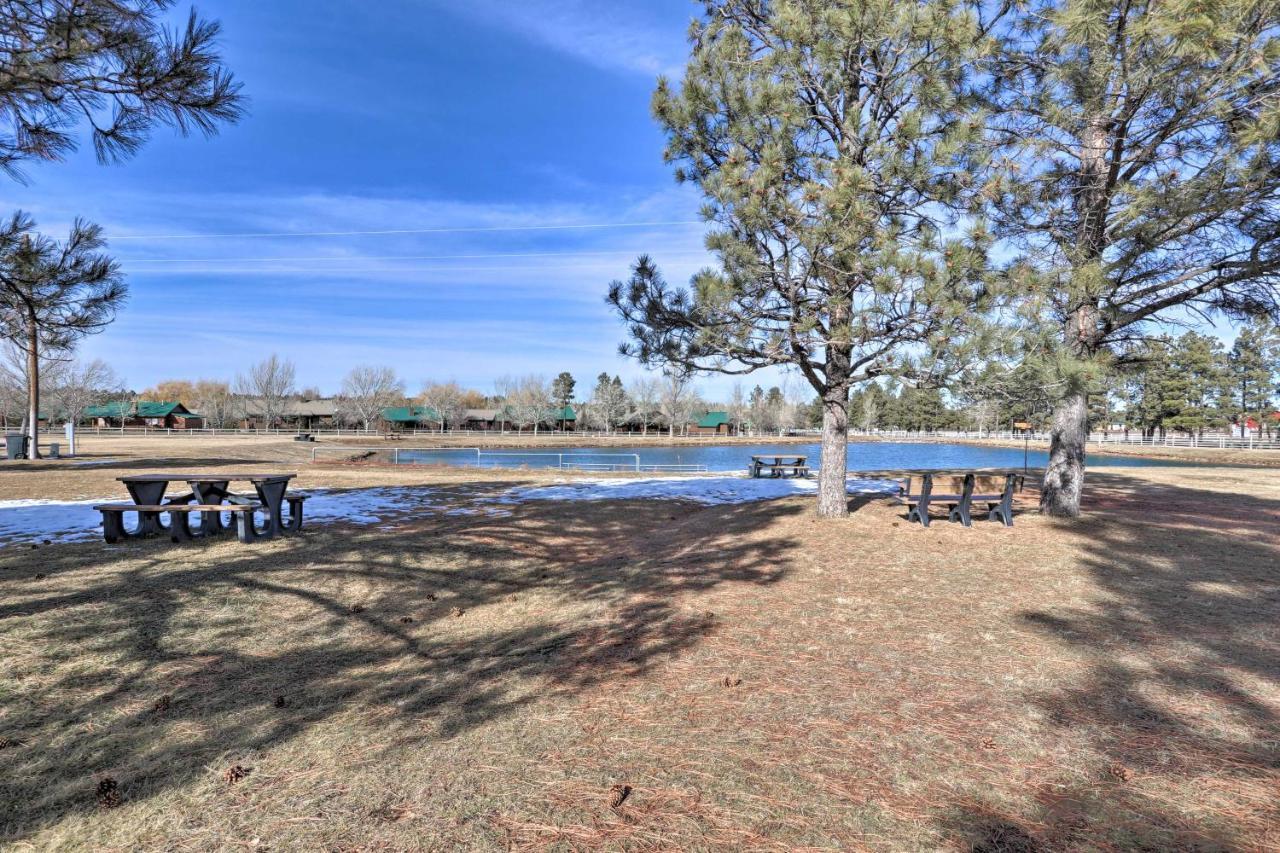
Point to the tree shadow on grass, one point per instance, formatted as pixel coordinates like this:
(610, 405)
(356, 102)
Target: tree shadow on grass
(1181, 677)
(244, 648)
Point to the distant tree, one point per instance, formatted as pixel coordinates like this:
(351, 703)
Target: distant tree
(177, 390)
(52, 294)
(831, 150)
(737, 407)
(80, 385)
(1192, 393)
(110, 64)
(609, 404)
(1143, 179)
(366, 391)
(644, 395)
(676, 401)
(448, 401)
(1253, 365)
(269, 383)
(311, 392)
(528, 400)
(215, 403)
(562, 389)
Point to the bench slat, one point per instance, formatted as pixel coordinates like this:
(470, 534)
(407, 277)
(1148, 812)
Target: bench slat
(176, 507)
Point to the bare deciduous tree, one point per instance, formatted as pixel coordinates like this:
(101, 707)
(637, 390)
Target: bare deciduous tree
(366, 391)
(270, 383)
(448, 399)
(79, 385)
(215, 402)
(676, 401)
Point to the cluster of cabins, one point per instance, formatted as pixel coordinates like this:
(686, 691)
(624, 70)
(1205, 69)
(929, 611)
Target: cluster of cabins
(310, 415)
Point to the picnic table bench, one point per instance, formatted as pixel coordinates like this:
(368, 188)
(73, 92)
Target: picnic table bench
(304, 436)
(959, 491)
(779, 465)
(210, 496)
(392, 436)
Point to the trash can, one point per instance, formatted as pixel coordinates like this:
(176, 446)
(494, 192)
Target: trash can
(54, 447)
(15, 445)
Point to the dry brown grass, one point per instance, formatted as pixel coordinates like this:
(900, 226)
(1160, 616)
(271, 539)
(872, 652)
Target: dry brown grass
(751, 677)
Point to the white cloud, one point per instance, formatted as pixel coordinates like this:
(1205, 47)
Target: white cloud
(613, 36)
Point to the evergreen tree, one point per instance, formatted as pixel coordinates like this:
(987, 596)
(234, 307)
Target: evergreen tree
(1252, 367)
(1192, 389)
(110, 64)
(831, 149)
(1143, 176)
(52, 294)
(562, 389)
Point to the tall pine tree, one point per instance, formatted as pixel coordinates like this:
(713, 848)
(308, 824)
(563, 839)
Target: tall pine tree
(831, 147)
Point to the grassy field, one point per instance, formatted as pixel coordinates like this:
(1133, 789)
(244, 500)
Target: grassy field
(646, 674)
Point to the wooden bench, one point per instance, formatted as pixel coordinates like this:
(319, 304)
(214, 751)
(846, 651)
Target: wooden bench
(179, 529)
(392, 436)
(960, 493)
(304, 436)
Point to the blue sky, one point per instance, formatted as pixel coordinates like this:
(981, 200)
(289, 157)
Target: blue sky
(402, 115)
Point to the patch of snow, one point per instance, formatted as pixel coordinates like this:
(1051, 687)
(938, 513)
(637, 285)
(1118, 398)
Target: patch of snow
(58, 521)
(704, 490)
(71, 521)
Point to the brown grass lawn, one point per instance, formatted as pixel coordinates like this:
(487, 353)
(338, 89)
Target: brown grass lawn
(751, 677)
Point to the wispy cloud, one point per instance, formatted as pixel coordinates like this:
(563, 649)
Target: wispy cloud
(614, 36)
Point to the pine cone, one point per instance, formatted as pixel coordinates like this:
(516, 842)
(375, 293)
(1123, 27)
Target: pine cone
(731, 682)
(162, 704)
(109, 793)
(9, 742)
(431, 596)
(406, 620)
(235, 773)
(988, 743)
(456, 612)
(281, 702)
(618, 794)
(1120, 772)
(357, 608)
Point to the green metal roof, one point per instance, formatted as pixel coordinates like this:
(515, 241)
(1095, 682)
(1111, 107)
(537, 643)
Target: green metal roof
(714, 419)
(410, 415)
(566, 414)
(140, 409)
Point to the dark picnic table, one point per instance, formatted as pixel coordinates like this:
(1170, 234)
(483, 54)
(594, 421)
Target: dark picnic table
(777, 464)
(213, 490)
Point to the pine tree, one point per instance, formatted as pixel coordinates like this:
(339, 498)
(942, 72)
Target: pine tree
(1141, 174)
(52, 294)
(562, 389)
(833, 151)
(110, 64)
(1252, 367)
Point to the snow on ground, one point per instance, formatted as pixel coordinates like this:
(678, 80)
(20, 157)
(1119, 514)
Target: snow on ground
(69, 521)
(705, 490)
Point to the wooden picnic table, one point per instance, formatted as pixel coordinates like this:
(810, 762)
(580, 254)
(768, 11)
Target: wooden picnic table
(212, 490)
(778, 463)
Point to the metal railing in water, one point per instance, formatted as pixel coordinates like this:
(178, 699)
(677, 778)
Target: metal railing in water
(477, 458)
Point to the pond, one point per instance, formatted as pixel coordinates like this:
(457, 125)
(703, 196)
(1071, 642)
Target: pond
(863, 456)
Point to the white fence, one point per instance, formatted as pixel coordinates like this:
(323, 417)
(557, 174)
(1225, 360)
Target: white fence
(1219, 441)
(474, 457)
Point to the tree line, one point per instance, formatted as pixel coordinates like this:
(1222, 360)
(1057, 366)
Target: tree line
(920, 191)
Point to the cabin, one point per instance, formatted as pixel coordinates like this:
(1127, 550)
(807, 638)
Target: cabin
(714, 423)
(144, 413)
(411, 417)
(566, 419)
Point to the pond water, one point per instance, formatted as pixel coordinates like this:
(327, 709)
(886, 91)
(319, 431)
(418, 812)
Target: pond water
(863, 456)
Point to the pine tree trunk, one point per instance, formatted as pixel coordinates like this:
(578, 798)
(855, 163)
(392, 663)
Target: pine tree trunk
(1064, 477)
(33, 390)
(833, 500)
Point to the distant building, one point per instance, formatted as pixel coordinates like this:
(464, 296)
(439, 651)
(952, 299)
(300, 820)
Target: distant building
(714, 423)
(411, 417)
(144, 413)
